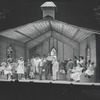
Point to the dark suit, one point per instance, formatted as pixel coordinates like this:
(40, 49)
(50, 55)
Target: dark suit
(70, 65)
(47, 66)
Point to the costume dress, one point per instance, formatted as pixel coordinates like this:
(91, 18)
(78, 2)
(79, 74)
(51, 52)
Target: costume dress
(20, 68)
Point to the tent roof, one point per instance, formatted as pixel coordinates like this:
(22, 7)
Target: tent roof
(40, 30)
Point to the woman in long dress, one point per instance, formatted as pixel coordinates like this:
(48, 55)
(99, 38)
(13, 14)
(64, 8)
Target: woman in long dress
(90, 70)
(55, 68)
(7, 70)
(20, 68)
(76, 73)
(3, 65)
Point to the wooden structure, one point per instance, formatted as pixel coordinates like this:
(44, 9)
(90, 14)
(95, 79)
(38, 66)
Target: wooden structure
(41, 36)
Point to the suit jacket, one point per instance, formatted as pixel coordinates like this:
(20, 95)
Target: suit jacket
(70, 65)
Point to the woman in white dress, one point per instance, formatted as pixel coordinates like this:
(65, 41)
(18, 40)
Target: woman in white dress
(3, 65)
(55, 68)
(20, 68)
(90, 70)
(7, 70)
(76, 73)
(36, 63)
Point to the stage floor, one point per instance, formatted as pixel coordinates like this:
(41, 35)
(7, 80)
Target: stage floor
(52, 82)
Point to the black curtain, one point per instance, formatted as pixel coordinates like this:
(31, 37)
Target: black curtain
(98, 57)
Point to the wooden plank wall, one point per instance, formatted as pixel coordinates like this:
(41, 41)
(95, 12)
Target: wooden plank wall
(46, 47)
(5, 42)
(68, 52)
(60, 51)
(63, 50)
(91, 42)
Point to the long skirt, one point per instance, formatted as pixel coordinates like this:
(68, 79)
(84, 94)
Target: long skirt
(20, 70)
(76, 76)
(89, 72)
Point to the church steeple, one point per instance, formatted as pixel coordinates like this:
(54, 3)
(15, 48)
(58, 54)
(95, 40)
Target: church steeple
(48, 9)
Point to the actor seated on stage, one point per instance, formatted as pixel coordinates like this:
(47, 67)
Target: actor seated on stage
(77, 71)
(90, 70)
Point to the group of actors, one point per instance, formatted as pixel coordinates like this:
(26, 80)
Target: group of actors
(48, 67)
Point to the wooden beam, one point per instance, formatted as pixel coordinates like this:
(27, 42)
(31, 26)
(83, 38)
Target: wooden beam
(37, 29)
(65, 40)
(66, 36)
(75, 34)
(22, 34)
(38, 36)
(40, 42)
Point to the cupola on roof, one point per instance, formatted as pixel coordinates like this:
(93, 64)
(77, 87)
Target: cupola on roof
(48, 9)
(48, 4)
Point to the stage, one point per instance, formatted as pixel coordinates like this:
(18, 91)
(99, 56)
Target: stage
(51, 82)
(48, 89)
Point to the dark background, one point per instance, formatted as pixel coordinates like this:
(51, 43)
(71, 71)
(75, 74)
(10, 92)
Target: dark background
(76, 12)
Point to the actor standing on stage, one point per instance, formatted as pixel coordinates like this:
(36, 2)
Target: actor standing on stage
(41, 64)
(55, 68)
(20, 68)
(32, 69)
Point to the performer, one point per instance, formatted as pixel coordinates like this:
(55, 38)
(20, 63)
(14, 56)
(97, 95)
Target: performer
(41, 64)
(69, 66)
(14, 69)
(75, 61)
(36, 62)
(20, 68)
(55, 68)
(76, 72)
(49, 67)
(7, 70)
(81, 61)
(32, 68)
(3, 66)
(45, 67)
(28, 65)
(90, 70)
(61, 73)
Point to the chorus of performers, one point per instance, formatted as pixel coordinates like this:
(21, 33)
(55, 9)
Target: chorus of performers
(47, 68)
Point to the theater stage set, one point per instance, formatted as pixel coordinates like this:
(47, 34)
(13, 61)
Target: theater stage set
(40, 37)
